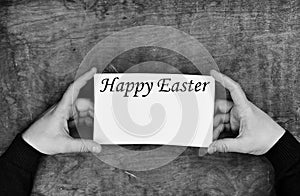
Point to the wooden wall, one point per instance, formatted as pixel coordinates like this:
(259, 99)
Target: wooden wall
(43, 42)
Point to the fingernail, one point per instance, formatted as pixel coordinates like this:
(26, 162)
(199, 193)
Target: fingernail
(96, 149)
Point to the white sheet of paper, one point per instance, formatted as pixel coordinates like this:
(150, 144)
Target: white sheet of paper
(149, 115)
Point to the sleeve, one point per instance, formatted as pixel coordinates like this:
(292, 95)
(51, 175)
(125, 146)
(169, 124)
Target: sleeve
(18, 166)
(285, 158)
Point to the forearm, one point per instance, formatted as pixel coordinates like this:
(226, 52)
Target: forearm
(285, 158)
(18, 166)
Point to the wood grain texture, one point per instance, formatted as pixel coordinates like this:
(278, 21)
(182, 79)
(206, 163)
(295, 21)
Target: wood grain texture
(255, 42)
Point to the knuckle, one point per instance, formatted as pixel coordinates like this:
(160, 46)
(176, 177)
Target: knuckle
(220, 127)
(248, 109)
(217, 120)
(223, 147)
(83, 148)
(224, 117)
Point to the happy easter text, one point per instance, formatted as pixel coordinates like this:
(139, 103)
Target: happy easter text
(143, 89)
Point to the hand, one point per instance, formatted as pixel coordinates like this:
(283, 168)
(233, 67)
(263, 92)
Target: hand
(50, 134)
(257, 132)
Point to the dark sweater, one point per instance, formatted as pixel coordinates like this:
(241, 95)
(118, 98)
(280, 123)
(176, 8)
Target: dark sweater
(19, 163)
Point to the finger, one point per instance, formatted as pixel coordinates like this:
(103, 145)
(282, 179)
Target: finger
(223, 106)
(83, 114)
(89, 122)
(89, 113)
(83, 104)
(86, 120)
(49, 111)
(72, 92)
(237, 94)
(227, 127)
(224, 145)
(83, 145)
(217, 131)
(221, 118)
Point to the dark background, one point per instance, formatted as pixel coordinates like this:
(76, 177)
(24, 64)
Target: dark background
(255, 42)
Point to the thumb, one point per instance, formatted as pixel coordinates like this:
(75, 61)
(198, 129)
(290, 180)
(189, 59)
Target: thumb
(224, 145)
(237, 94)
(83, 145)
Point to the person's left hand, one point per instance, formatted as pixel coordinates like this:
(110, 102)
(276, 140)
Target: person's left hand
(50, 134)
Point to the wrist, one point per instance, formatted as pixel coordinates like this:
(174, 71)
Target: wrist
(27, 138)
(22, 154)
(277, 134)
(284, 153)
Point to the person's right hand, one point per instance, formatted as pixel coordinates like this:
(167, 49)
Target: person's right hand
(257, 132)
